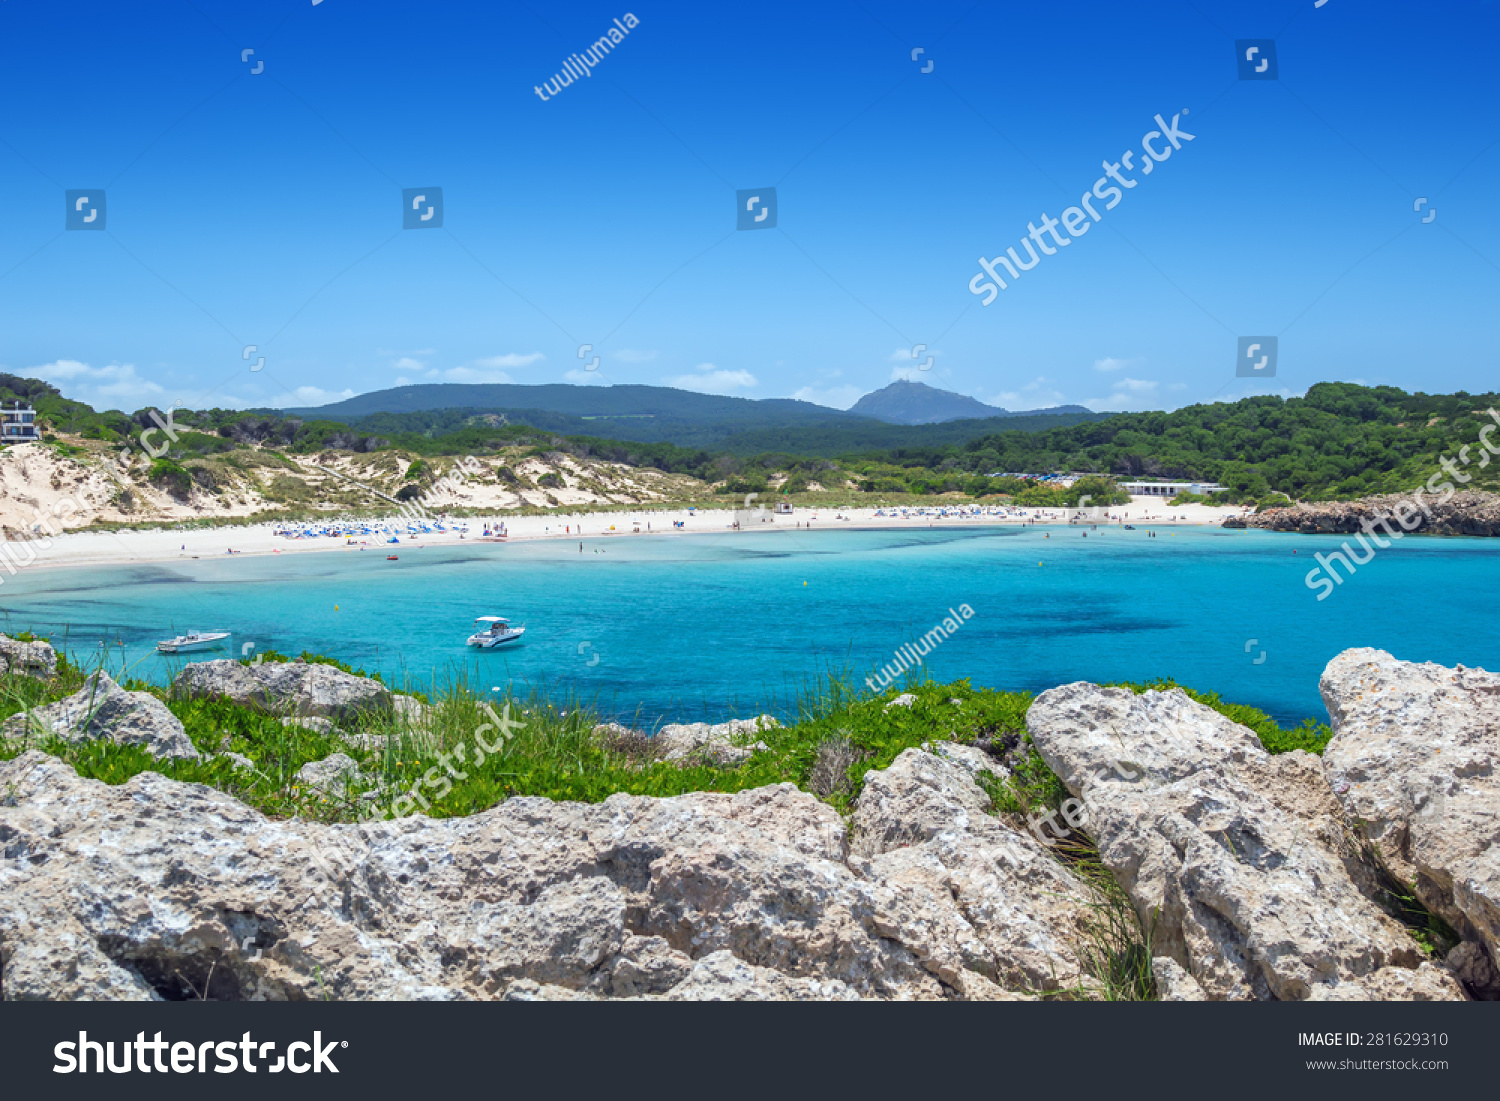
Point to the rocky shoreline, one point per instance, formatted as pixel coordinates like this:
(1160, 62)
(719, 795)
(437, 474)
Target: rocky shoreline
(1260, 876)
(1471, 512)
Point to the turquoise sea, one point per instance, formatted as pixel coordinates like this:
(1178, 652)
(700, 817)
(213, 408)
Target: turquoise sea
(688, 627)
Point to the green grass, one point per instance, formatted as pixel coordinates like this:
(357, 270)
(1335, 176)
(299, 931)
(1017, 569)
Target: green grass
(554, 753)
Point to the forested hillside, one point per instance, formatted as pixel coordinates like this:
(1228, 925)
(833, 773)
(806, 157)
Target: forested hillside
(1340, 441)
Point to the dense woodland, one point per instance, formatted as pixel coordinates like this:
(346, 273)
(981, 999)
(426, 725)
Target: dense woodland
(1340, 441)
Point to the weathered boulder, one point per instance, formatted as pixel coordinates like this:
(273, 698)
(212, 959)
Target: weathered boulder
(1414, 757)
(1173, 984)
(29, 659)
(101, 709)
(154, 889)
(983, 901)
(333, 775)
(716, 743)
(294, 688)
(1239, 860)
(311, 722)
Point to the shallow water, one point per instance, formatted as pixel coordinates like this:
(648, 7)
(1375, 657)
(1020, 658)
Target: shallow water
(689, 627)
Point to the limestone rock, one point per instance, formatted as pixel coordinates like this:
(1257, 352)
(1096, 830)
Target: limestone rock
(977, 896)
(714, 743)
(102, 709)
(1467, 512)
(1237, 858)
(1415, 758)
(30, 659)
(906, 699)
(154, 889)
(333, 775)
(300, 689)
(311, 722)
(1173, 984)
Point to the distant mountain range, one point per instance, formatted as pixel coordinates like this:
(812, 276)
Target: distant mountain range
(903, 414)
(904, 402)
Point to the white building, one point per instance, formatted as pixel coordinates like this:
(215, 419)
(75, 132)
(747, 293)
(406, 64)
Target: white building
(18, 425)
(1169, 489)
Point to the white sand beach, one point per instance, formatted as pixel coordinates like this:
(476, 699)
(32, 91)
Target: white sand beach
(165, 544)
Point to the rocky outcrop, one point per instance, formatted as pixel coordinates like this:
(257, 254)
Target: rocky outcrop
(1239, 861)
(1012, 913)
(158, 889)
(1471, 512)
(101, 709)
(28, 659)
(294, 688)
(720, 744)
(1414, 758)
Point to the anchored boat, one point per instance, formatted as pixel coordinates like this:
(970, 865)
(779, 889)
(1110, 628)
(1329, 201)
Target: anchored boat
(193, 640)
(493, 630)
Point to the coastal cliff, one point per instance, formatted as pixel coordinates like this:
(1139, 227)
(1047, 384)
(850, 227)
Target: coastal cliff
(1471, 512)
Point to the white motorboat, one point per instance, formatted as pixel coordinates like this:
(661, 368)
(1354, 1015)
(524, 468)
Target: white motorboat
(493, 630)
(193, 640)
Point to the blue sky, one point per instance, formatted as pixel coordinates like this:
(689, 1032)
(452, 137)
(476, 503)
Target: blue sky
(265, 208)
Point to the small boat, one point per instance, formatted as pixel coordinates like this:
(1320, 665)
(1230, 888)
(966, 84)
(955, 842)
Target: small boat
(392, 558)
(193, 640)
(493, 630)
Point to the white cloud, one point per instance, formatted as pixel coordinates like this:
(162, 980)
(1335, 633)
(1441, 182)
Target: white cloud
(712, 380)
(633, 355)
(403, 381)
(835, 397)
(114, 387)
(308, 395)
(586, 378)
(1110, 363)
(1129, 394)
(510, 359)
(406, 363)
(1039, 393)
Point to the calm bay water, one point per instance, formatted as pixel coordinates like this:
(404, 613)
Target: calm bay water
(699, 627)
